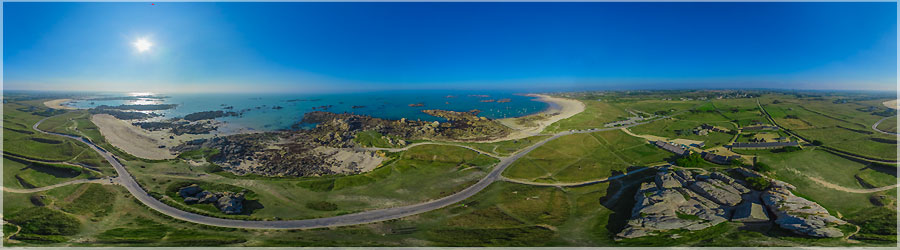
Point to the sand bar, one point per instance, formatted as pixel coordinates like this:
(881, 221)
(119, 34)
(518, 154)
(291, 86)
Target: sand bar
(140, 142)
(57, 104)
(560, 108)
(891, 104)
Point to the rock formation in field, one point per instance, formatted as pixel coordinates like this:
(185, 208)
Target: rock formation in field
(680, 199)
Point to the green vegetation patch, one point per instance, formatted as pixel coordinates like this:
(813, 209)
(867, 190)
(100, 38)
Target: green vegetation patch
(94, 201)
(595, 115)
(583, 157)
(45, 221)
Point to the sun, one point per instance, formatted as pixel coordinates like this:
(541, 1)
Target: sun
(142, 45)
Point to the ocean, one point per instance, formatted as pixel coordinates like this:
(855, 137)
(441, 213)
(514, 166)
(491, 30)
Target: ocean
(281, 111)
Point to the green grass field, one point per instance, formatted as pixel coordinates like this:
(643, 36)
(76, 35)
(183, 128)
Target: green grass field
(794, 167)
(22, 174)
(841, 126)
(583, 157)
(595, 114)
(21, 140)
(505, 148)
(889, 125)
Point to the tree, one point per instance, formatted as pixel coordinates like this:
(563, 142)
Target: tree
(817, 142)
(737, 163)
(689, 161)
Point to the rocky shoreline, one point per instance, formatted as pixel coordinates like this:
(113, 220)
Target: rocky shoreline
(329, 147)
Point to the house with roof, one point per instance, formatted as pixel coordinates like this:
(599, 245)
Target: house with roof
(677, 149)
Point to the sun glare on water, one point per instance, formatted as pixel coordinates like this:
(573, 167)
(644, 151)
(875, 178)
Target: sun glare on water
(142, 45)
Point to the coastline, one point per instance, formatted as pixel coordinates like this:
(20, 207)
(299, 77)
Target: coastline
(57, 104)
(892, 104)
(155, 145)
(140, 142)
(558, 109)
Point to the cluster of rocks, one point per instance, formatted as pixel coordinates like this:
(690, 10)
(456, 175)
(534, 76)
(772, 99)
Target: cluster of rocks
(329, 147)
(694, 200)
(227, 202)
(796, 213)
(179, 127)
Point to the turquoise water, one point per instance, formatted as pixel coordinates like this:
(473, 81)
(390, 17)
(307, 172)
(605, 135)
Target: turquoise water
(259, 113)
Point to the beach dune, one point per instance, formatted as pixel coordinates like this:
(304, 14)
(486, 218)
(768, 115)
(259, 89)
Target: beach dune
(137, 141)
(57, 104)
(560, 108)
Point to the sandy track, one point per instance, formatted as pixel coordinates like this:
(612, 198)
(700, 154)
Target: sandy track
(851, 190)
(57, 104)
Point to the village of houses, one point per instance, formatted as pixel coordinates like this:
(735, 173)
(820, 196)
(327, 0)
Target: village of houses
(757, 136)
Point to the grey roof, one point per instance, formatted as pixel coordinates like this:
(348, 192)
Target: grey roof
(671, 148)
(762, 127)
(763, 144)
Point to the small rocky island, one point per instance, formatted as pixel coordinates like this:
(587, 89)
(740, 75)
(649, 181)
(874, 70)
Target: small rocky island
(694, 200)
(227, 202)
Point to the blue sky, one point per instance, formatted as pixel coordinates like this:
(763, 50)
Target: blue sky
(329, 47)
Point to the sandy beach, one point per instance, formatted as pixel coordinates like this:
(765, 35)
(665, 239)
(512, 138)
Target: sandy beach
(560, 108)
(140, 142)
(891, 104)
(57, 104)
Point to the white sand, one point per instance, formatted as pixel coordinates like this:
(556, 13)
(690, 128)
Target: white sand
(57, 104)
(891, 104)
(564, 108)
(137, 141)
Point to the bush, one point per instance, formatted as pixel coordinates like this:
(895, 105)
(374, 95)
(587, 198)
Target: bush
(322, 206)
(762, 167)
(758, 183)
(45, 221)
(689, 161)
(786, 149)
(817, 142)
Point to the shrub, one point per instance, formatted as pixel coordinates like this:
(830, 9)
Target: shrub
(689, 161)
(786, 149)
(762, 167)
(322, 206)
(817, 142)
(45, 221)
(758, 183)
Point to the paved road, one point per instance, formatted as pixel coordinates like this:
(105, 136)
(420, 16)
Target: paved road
(125, 179)
(107, 180)
(875, 126)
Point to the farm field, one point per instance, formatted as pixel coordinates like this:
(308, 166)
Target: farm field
(841, 126)
(595, 115)
(584, 157)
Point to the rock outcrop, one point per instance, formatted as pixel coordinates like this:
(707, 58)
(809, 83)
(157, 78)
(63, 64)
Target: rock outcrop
(227, 202)
(667, 204)
(684, 200)
(800, 215)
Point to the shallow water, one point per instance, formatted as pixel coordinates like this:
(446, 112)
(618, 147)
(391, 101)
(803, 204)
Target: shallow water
(259, 112)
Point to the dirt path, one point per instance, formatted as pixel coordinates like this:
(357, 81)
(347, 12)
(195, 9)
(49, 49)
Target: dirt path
(577, 184)
(851, 190)
(107, 180)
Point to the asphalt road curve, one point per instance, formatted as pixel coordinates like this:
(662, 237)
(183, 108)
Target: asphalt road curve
(125, 179)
